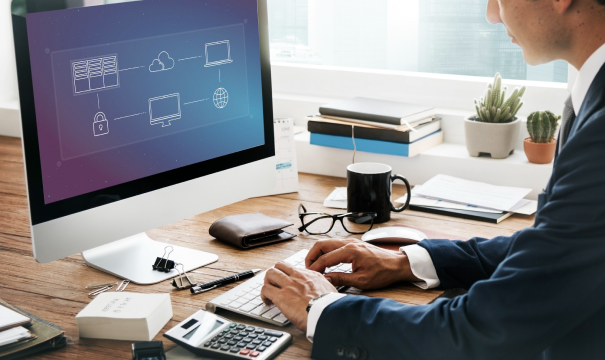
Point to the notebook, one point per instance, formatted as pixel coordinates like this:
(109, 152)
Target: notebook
(10, 319)
(388, 112)
(46, 336)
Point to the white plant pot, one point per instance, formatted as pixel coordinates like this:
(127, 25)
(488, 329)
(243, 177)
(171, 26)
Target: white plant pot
(495, 139)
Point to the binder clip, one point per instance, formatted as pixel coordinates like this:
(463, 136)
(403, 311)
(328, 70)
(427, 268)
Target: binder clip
(162, 263)
(182, 281)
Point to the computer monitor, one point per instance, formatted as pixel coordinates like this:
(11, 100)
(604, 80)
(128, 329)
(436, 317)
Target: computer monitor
(94, 83)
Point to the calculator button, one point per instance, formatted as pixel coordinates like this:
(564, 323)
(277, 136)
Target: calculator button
(243, 333)
(240, 327)
(274, 333)
(208, 344)
(259, 331)
(215, 338)
(247, 340)
(233, 325)
(238, 338)
(226, 348)
(273, 339)
(254, 354)
(229, 336)
(250, 328)
(256, 342)
(251, 346)
(235, 350)
(262, 337)
(261, 348)
(253, 336)
(244, 352)
(226, 330)
(242, 344)
(222, 341)
(232, 343)
(234, 332)
(216, 346)
(267, 343)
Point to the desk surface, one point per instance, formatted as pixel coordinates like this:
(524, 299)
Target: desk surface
(55, 291)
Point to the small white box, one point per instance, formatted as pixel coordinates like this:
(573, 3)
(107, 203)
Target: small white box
(124, 316)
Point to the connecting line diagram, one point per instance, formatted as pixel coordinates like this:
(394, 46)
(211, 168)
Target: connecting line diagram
(101, 73)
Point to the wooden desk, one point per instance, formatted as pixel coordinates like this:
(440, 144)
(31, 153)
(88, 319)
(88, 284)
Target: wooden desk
(55, 291)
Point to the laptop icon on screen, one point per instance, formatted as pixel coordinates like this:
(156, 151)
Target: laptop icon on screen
(218, 53)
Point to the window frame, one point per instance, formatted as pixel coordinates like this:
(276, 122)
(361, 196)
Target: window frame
(440, 90)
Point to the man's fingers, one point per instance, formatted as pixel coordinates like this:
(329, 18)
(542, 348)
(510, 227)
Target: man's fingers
(285, 268)
(276, 277)
(343, 279)
(323, 247)
(268, 293)
(340, 255)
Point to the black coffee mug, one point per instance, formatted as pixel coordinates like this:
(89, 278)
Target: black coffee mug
(369, 190)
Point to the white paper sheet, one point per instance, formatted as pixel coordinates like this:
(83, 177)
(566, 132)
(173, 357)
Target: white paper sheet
(14, 335)
(467, 192)
(337, 199)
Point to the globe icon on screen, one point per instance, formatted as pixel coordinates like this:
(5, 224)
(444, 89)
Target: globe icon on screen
(220, 98)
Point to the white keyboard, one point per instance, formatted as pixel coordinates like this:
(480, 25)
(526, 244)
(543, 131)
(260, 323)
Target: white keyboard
(245, 298)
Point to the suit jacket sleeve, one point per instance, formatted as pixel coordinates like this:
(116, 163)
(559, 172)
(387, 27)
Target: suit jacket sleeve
(459, 264)
(551, 281)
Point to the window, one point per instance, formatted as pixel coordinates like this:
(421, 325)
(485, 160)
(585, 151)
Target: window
(430, 36)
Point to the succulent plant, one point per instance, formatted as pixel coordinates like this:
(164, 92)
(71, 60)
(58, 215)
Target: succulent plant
(542, 125)
(493, 108)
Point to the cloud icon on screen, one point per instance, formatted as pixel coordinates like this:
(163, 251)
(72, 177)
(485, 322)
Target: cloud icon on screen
(162, 63)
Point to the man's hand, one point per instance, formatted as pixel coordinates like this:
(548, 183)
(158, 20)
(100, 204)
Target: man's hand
(373, 267)
(291, 290)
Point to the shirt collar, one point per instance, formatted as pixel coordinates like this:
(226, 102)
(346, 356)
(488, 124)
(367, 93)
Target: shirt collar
(587, 73)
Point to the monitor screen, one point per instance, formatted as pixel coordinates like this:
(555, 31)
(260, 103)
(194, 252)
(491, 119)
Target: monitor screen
(130, 90)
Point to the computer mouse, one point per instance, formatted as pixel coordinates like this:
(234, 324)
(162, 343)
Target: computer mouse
(394, 235)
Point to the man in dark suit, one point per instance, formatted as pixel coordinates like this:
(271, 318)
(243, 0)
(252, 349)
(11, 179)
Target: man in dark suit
(539, 293)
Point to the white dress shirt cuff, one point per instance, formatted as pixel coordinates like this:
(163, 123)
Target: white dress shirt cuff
(422, 266)
(316, 310)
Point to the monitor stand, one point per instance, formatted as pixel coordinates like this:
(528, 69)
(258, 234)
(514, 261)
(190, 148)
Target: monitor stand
(132, 259)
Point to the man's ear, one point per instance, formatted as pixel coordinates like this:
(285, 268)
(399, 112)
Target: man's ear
(563, 6)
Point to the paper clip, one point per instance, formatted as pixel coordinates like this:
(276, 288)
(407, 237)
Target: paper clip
(122, 285)
(167, 264)
(182, 281)
(101, 290)
(92, 287)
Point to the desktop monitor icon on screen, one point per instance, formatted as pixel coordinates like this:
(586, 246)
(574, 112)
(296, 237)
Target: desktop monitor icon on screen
(164, 109)
(218, 53)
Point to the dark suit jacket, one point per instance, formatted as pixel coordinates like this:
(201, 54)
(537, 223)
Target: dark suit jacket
(538, 294)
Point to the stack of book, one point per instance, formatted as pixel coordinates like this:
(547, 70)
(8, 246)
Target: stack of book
(376, 126)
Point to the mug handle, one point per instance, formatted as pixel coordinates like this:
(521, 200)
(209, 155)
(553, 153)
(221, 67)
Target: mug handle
(409, 189)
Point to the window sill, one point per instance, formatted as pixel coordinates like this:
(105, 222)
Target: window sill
(10, 120)
(447, 158)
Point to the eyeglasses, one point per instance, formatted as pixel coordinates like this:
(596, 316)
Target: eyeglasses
(316, 223)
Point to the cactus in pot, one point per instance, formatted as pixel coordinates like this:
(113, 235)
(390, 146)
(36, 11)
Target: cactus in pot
(541, 126)
(494, 128)
(493, 108)
(540, 146)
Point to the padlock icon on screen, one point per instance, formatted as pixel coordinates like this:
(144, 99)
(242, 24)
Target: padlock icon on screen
(100, 125)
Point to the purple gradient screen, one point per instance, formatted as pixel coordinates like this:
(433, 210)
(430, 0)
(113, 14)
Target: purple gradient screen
(130, 90)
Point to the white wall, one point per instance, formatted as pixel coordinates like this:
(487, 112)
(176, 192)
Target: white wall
(8, 75)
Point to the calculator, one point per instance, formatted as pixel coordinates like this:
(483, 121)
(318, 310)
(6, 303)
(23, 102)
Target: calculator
(209, 335)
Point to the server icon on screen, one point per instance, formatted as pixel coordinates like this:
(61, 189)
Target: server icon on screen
(95, 74)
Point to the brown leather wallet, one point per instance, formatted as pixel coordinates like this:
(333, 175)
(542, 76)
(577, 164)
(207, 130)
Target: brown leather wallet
(250, 230)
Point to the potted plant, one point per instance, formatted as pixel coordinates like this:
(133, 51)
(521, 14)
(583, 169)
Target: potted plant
(541, 144)
(494, 129)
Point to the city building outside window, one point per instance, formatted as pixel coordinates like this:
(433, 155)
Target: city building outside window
(428, 36)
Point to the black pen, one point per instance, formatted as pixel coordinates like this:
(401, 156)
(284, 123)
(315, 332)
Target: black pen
(226, 280)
